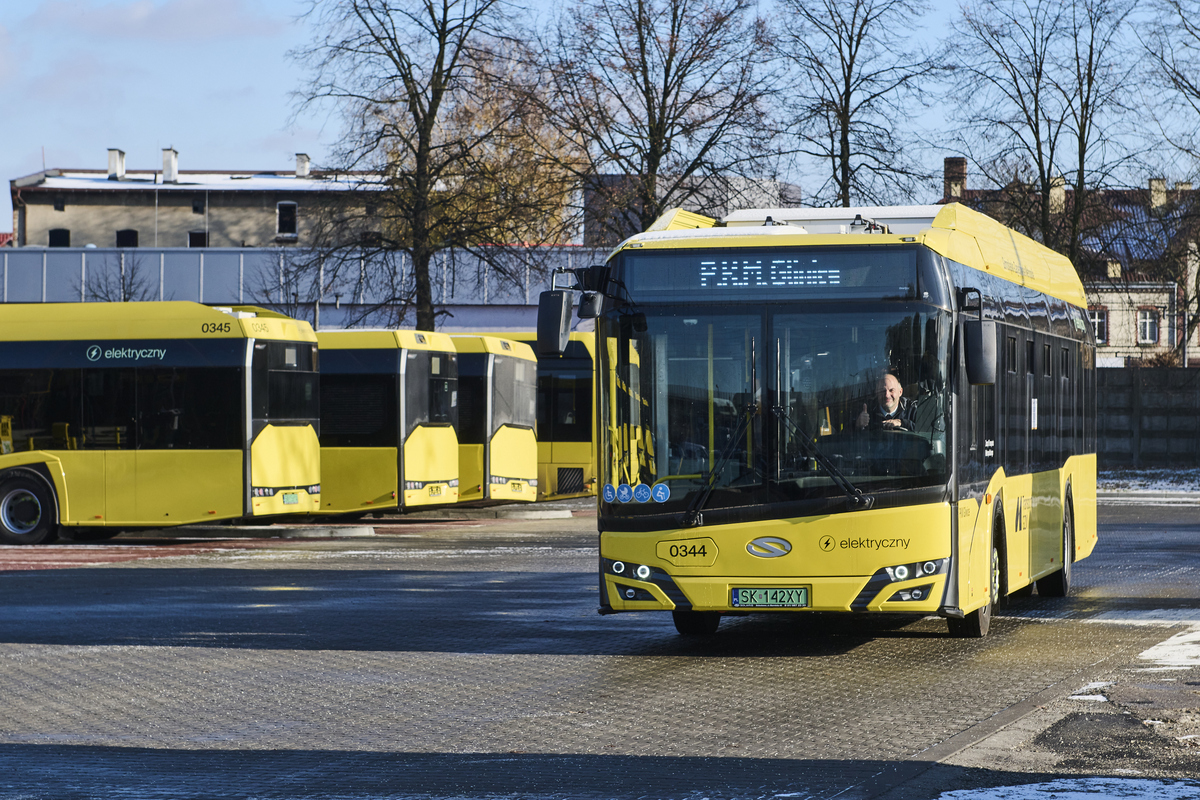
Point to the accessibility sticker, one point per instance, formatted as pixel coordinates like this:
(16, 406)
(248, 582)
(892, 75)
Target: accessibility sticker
(661, 492)
(641, 493)
(610, 493)
(624, 493)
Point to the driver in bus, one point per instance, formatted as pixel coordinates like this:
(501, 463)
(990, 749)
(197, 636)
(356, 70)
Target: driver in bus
(892, 412)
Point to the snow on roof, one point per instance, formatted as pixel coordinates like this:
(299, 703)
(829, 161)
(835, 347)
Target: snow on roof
(190, 181)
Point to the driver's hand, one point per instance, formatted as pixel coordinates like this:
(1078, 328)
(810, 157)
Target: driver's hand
(891, 423)
(864, 418)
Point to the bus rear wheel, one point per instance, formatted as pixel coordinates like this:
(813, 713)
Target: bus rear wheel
(1058, 584)
(696, 623)
(26, 512)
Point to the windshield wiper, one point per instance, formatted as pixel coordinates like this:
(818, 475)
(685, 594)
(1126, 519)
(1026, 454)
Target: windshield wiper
(692, 517)
(856, 496)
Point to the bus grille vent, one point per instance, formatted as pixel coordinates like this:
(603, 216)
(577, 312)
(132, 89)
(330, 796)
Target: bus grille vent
(570, 480)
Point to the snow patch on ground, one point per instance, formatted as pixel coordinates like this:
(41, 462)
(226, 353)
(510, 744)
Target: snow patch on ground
(1083, 789)
(1149, 480)
(1181, 650)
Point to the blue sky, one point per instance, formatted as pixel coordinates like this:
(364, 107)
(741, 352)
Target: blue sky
(210, 78)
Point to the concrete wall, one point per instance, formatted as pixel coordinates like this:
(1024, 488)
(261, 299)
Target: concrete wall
(1148, 417)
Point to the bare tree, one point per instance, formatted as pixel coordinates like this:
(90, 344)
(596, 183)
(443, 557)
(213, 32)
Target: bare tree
(425, 88)
(119, 278)
(856, 84)
(665, 102)
(1040, 83)
(1171, 47)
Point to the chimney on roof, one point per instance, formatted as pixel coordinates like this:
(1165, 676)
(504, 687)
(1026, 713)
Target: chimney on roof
(1114, 270)
(116, 164)
(1183, 186)
(302, 165)
(170, 165)
(954, 169)
(1158, 193)
(1058, 194)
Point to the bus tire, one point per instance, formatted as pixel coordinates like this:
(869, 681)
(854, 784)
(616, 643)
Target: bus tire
(1058, 584)
(975, 625)
(696, 623)
(26, 512)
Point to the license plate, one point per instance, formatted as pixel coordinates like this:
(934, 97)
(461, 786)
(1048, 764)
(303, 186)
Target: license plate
(516, 487)
(766, 597)
(291, 499)
(435, 491)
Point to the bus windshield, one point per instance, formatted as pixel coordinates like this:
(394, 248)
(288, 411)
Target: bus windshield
(742, 394)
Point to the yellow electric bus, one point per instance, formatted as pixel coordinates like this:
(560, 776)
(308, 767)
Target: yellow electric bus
(125, 415)
(497, 443)
(858, 410)
(389, 408)
(566, 422)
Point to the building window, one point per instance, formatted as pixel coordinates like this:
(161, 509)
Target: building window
(1099, 319)
(60, 237)
(197, 238)
(285, 219)
(127, 238)
(1011, 354)
(198, 204)
(1029, 358)
(1147, 319)
(60, 204)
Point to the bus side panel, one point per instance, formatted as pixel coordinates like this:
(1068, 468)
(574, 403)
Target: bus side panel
(357, 479)
(1015, 493)
(514, 455)
(574, 455)
(1045, 529)
(176, 487)
(431, 457)
(285, 456)
(1081, 471)
(547, 483)
(120, 491)
(470, 473)
(86, 469)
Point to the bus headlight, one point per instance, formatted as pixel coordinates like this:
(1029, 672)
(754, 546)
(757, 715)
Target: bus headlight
(642, 573)
(618, 567)
(902, 572)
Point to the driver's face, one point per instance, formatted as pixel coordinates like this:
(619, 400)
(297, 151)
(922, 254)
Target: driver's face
(889, 393)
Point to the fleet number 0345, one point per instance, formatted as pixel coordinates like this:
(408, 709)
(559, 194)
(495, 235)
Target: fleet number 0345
(215, 327)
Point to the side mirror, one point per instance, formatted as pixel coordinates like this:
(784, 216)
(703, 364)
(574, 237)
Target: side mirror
(979, 345)
(591, 305)
(554, 322)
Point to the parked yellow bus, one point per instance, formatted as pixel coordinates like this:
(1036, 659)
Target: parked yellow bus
(497, 444)
(857, 410)
(389, 408)
(125, 415)
(566, 422)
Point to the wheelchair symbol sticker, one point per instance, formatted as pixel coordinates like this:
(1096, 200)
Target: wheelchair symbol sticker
(610, 493)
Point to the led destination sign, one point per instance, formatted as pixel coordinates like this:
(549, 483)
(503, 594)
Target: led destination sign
(843, 272)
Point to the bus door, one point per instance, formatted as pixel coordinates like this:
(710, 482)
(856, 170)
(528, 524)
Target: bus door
(189, 449)
(109, 431)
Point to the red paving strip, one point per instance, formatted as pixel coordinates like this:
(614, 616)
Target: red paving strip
(67, 556)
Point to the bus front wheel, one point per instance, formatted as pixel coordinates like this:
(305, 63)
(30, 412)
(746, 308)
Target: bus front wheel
(696, 623)
(975, 624)
(26, 512)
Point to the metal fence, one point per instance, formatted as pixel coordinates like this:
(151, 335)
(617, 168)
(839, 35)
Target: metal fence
(1148, 417)
(501, 291)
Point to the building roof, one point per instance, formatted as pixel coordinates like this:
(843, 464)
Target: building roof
(97, 180)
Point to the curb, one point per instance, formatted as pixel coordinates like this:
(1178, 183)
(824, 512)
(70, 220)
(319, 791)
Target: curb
(1134, 498)
(260, 532)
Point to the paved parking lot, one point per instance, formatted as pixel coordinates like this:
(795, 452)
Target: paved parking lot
(465, 659)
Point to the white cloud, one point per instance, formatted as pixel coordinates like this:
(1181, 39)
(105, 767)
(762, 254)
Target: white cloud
(164, 21)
